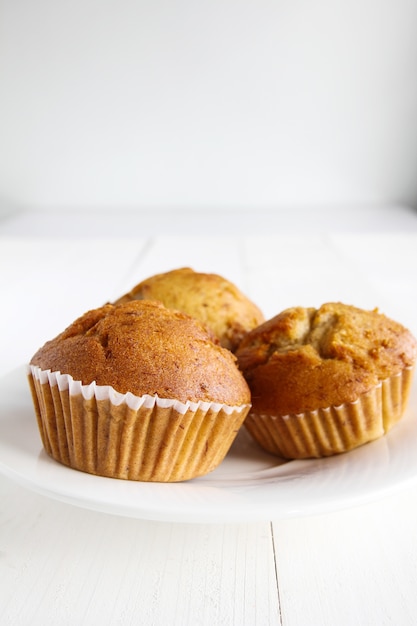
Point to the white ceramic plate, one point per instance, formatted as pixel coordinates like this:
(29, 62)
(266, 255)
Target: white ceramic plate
(249, 485)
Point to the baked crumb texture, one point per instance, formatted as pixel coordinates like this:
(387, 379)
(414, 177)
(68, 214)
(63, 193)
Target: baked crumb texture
(143, 348)
(324, 381)
(210, 298)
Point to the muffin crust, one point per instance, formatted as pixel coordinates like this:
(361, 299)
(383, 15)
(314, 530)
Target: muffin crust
(143, 348)
(210, 298)
(305, 358)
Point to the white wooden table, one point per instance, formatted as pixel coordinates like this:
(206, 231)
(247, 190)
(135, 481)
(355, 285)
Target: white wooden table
(65, 565)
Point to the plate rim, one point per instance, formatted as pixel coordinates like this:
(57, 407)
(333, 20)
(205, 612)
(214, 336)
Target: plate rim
(164, 510)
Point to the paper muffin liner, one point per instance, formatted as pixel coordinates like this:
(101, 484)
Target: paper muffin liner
(98, 430)
(335, 429)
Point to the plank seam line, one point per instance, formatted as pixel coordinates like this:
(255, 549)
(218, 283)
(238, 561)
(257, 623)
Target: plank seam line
(276, 572)
(137, 261)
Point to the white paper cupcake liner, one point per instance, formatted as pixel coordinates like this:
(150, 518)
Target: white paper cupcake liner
(98, 430)
(336, 429)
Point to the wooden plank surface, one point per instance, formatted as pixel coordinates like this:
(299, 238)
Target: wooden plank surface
(356, 567)
(64, 565)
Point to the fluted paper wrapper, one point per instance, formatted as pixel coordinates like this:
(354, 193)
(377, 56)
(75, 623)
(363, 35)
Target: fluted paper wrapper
(97, 430)
(334, 429)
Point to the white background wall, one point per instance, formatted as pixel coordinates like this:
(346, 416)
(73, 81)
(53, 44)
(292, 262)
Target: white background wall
(207, 104)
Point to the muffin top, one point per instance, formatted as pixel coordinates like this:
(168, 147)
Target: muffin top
(210, 298)
(144, 348)
(307, 358)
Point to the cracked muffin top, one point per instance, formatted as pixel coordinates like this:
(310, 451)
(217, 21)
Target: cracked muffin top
(143, 348)
(307, 358)
(210, 298)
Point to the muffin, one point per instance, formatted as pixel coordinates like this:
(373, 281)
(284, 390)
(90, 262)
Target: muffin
(139, 392)
(324, 381)
(210, 298)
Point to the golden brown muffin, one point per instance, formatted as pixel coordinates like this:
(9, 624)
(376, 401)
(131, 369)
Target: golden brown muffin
(325, 380)
(210, 298)
(138, 391)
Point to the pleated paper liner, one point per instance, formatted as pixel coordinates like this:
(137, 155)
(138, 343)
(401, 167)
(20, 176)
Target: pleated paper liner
(334, 429)
(97, 430)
